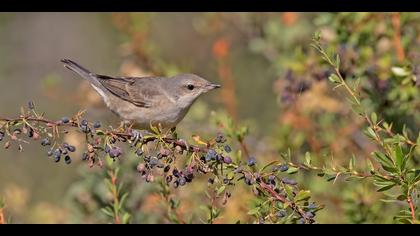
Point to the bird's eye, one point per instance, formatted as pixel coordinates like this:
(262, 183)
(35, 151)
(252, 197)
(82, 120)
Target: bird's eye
(190, 87)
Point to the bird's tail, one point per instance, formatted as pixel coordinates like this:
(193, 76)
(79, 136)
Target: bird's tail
(83, 72)
(73, 66)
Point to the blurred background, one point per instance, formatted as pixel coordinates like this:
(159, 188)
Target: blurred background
(273, 82)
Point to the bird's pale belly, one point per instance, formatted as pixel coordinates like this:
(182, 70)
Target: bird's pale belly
(168, 116)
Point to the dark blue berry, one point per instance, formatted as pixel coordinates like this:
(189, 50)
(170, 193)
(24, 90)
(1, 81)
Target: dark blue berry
(67, 160)
(1, 135)
(139, 152)
(182, 181)
(31, 105)
(167, 168)
(227, 148)
(107, 148)
(283, 167)
(226, 181)
(153, 162)
(84, 123)
(271, 178)
(309, 215)
(97, 125)
(220, 138)
(57, 158)
(251, 161)
(57, 153)
(65, 120)
(45, 142)
(115, 152)
(71, 148)
(312, 206)
(211, 155)
(168, 178)
(175, 172)
(289, 181)
(281, 213)
(227, 160)
(210, 181)
(301, 221)
(85, 156)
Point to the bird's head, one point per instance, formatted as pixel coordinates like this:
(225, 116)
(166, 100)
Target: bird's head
(186, 88)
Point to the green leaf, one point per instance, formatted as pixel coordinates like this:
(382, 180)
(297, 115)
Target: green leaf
(371, 133)
(123, 199)
(254, 211)
(398, 71)
(399, 157)
(108, 211)
(126, 218)
(288, 190)
(308, 159)
(386, 187)
(352, 162)
(334, 78)
(292, 170)
(385, 161)
(220, 190)
(373, 117)
(303, 195)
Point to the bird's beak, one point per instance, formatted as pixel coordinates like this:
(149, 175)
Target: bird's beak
(213, 86)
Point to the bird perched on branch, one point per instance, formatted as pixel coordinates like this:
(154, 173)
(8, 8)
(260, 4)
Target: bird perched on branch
(147, 100)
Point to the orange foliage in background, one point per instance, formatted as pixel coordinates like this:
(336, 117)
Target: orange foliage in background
(289, 18)
(221, 48)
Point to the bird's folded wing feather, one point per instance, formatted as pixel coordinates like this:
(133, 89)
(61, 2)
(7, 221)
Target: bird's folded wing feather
(132, 90)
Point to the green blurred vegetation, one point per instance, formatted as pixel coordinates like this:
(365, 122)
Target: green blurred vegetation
(273, 82)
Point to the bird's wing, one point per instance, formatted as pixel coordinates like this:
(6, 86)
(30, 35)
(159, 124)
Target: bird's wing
(133, 90)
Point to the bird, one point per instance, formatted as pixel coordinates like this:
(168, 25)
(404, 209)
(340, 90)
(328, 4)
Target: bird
(147, 101)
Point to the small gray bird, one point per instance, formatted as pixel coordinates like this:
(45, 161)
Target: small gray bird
(147, 100)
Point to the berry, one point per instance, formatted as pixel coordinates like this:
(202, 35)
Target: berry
(31, 105)
(85, 156)
(210, 181)
(227, 160)
(220, 138)
(139, 152)
(30, 132)
(251, 161)
(57, 153)
(309, 215)
(65, 120)
(67, 160)
(227, 148)
(1, 135)
(84, 123)
(211, 155)
(301, 221)
(167, 168)
(57, 158)
(153, 162)
(271, 178)
(312, 206)
(97, 125)
(45, 142)
(182, 181)
(289, 181)
(115, 152)
(281, 213)
(71, 148)
(49, 153)
(226, 181)
(175, 172)
(168, 178)
(107, 148)
(283, 167)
